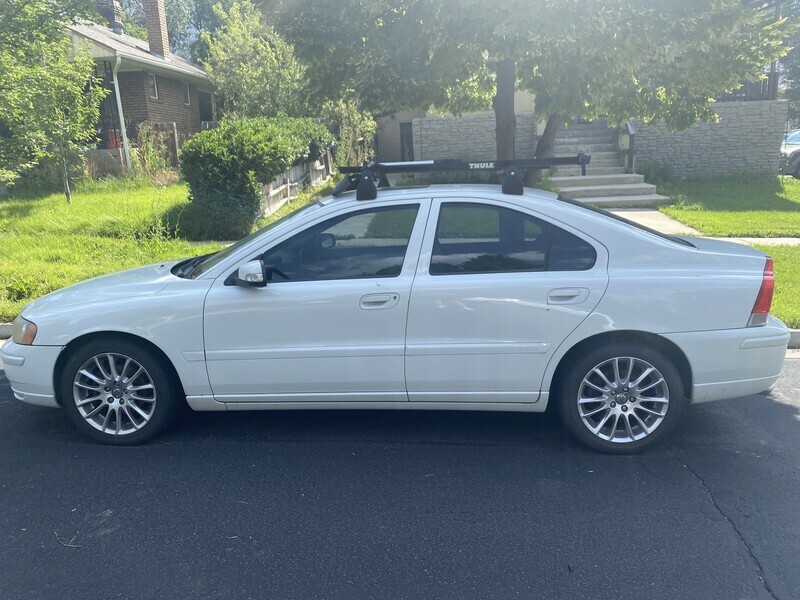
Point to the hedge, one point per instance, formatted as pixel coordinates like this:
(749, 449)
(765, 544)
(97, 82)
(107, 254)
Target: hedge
(226, 168)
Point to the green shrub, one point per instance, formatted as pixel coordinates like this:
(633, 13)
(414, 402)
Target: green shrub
(226, 168)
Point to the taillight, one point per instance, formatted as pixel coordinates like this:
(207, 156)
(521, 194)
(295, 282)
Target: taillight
(764, 299)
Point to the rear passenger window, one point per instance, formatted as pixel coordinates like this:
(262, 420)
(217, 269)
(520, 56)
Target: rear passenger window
(478, 238)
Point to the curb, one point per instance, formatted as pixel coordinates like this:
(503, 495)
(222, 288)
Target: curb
(794, 335)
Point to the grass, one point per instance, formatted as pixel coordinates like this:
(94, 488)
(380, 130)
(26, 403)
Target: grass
(737, 206)
(48, 244)
(786, 302)
(111, 225)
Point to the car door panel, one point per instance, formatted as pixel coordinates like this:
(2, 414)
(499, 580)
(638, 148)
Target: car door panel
(315, 339)
(487, 337)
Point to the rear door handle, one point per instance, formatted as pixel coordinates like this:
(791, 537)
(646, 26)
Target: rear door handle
(376, 301)
(567, 295)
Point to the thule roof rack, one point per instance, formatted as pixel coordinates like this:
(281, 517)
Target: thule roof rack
(362, 179)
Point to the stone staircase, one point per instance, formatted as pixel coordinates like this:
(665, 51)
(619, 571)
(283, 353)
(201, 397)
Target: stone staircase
(606, 184)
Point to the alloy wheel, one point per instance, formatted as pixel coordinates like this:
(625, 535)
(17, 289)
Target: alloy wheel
(623, 399)
(114, 394)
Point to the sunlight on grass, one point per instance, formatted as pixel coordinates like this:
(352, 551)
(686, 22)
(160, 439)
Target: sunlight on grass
(48, 244)
(737, 206)
(786, 302)
(111, 225)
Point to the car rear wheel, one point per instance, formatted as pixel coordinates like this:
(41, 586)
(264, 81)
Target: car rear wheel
(621, 398)
(117, 392)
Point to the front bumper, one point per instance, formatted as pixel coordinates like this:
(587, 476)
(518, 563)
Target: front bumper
(730, 363)
(29, 370)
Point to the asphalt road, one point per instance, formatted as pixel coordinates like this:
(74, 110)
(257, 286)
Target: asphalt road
(402, 505)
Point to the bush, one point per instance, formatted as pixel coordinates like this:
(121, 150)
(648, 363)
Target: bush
(226, 168)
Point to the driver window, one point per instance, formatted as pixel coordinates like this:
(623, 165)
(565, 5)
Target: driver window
(364, 244)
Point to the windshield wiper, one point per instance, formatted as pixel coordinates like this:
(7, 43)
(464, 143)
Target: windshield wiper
(187, 267)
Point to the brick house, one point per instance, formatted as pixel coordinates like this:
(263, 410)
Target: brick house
(147, 82)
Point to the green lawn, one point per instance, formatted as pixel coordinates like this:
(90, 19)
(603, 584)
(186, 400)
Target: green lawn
(46, 244)
(739, 206)
(786, 302)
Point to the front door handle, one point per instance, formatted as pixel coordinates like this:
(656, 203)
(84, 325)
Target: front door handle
(567, 295)
(376, 301)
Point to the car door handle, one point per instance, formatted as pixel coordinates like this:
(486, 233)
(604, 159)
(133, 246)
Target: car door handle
(375, 301)
(567, 295)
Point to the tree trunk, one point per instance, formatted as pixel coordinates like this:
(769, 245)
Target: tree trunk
(503, 105)
(65, 172)
(544, 148)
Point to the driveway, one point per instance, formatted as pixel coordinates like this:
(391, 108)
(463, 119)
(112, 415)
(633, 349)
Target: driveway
(402, 505)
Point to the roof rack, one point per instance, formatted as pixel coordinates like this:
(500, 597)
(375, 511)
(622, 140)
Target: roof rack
(362, 179)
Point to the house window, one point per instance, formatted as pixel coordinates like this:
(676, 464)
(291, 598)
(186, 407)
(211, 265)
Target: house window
(187, 96)
(153, 83)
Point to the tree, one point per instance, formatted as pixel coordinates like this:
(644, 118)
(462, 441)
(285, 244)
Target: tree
(790, 66)
(653, 59)
(49, 99)
(253, 69)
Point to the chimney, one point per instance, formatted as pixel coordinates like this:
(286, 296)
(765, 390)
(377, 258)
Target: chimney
(111, 11)
(156, 21)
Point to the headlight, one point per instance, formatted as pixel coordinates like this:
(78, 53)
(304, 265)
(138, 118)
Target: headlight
(24, 331)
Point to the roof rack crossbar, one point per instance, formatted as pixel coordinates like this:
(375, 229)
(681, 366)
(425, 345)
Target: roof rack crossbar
(355, 177)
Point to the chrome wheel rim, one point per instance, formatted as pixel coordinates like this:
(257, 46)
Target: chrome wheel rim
(623, 399)
(114, 394)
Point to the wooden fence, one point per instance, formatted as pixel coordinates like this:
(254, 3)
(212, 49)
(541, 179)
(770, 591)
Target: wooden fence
(285, 186)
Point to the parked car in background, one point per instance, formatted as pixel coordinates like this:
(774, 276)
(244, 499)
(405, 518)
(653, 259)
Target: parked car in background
(790, 154)
(446, 297)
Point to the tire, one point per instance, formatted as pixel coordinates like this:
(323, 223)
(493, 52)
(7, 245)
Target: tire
(117, 392)
(603, 411)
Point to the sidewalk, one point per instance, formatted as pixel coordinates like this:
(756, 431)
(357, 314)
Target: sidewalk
(660, 222)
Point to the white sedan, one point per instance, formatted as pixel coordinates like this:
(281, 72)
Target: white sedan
(444, 297)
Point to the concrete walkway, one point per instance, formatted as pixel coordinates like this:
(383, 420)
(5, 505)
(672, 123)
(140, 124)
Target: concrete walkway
(661, 222)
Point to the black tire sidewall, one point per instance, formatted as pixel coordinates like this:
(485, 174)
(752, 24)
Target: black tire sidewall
(570, 383)
(166, 389)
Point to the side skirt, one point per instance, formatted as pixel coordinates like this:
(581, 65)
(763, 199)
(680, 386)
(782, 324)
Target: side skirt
(208, 403)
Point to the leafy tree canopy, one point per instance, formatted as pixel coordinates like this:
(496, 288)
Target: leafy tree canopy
(253, 69)
(48, 100)
(654, 59)
(790, 66)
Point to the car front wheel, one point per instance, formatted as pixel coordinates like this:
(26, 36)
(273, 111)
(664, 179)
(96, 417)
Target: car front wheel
(621, 398)
(117, 392)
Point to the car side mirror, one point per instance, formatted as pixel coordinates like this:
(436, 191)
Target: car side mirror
(251, 274)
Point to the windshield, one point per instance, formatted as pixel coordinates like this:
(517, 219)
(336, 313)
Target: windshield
(793, 137)
(195, 267)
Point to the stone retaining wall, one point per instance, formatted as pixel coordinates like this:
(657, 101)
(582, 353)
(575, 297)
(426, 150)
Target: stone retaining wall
(747, 139)
(470, 137)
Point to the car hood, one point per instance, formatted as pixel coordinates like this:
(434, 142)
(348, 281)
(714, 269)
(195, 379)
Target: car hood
(140, 281)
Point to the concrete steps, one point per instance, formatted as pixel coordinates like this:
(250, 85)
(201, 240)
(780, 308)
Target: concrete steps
(633, 201)
(591, 169)
(585, 147)
(606, 184)
(579, 192)
(593, 179)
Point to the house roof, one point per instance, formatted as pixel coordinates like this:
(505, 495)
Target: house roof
(136, 50)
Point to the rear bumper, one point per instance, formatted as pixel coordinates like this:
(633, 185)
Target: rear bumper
(29, 369)
(731, 363)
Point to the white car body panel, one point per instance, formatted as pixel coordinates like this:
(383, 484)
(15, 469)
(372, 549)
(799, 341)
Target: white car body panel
(461, 329)
(488, 337)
